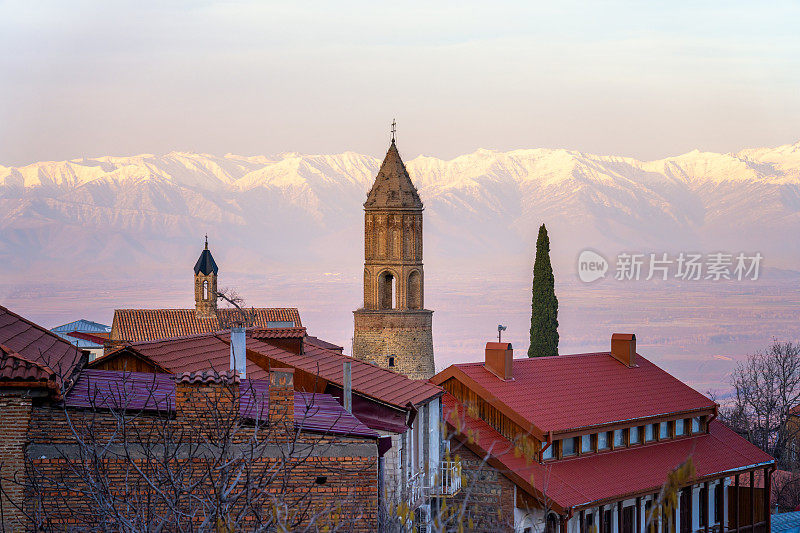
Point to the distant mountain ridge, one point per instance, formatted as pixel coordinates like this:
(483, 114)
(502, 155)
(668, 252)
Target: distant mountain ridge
(118, 215)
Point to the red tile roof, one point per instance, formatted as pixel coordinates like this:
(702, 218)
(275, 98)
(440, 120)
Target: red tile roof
(566, 392)
(136, 325)
(39, 345)
(201, 352)
(193, 353)
(599, 477)
(278, 333)
(16, 370)
(208, 376)
(367, 379)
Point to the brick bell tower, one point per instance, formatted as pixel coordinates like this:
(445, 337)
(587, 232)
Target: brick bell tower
(393, 329)
(205, 284)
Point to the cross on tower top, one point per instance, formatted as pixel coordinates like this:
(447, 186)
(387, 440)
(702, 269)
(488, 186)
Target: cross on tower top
(394, 129)
(206, 241)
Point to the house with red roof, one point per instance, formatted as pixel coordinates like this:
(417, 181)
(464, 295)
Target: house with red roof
(586, 442)
(145, 439)
(406, 413)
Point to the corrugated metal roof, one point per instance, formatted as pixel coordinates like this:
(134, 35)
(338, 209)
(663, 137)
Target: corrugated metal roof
(137, 325)
(82, 326)
(565, 392)
(609, 475)
(38, 344)
(136, 391)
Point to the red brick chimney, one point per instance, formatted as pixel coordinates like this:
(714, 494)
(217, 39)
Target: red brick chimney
(623, 348)
(281, 397)
(500, 359)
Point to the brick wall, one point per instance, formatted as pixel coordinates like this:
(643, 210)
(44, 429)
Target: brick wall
(406, 334)
(331, 476)
(16, 413)
(490, 495)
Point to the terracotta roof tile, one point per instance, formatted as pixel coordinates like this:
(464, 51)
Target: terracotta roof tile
(16, 370)
(565, 392)
(136, 325)
(610, 475)
(278, 333)
(208, 376)
(39, 345)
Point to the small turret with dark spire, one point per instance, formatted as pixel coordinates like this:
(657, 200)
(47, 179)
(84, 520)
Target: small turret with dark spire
(205, 283)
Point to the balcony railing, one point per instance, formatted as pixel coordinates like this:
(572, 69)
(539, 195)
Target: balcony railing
(448, 482)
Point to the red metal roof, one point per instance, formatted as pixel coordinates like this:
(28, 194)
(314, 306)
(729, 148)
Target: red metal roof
(607, 476)
(566, 392)
(16, 370)
(38, 344)
(136, 325)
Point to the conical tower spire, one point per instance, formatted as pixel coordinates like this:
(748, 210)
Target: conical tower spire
(393, 187)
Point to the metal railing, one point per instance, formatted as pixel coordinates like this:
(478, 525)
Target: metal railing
(448, 482)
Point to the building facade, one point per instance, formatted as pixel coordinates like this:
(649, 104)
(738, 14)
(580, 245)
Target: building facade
(393, 329)
(587, 442)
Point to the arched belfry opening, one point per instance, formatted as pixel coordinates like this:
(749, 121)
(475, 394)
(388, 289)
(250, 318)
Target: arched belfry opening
(387, 291)
(205, 290)
(393, 329)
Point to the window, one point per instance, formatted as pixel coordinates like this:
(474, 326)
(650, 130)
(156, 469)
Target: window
(588, 523)
(619, 438)
(547, 453)
(603, 441)
(663, 432)
(569, 447)
(718, 502)
(703, 511)
(680, 428)
(650, 432)
(606, 528)
(586, 444)
(551, 526)
(697, 424)
(634, 436)
(651, 521)
(205, 290)
(391, 361)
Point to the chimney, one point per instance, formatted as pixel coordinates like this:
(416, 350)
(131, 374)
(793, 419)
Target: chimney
(500, 359)
(281, 397)
(239, 351)
(623, 348)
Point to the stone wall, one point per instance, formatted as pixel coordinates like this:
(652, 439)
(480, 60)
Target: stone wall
(407, 335)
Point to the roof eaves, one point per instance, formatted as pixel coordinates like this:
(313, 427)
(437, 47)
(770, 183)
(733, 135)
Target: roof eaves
(453, 371)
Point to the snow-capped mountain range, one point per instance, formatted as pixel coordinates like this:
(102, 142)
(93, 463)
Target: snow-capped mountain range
(124, 214)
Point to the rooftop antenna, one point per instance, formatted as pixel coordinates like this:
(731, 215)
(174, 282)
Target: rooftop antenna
(394, 130)
(500, 329)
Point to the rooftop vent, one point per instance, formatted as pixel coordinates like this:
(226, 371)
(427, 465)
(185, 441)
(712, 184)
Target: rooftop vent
(623, 348)
(500, 359)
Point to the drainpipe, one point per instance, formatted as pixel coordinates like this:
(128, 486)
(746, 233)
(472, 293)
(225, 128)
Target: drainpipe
(239, 351)
(348, 386)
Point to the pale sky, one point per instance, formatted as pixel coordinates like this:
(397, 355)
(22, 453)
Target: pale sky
(636, 78)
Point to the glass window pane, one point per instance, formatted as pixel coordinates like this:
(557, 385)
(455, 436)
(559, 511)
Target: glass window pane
(569, 446)
(634, 435)
(603, 441)
(619, 438)
(548, 452)
(696, 424)
(649, 432)
(586, 443)
(680, 427)
(663, 430)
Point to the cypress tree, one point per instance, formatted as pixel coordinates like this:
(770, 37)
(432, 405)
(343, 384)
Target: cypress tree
(544, 305)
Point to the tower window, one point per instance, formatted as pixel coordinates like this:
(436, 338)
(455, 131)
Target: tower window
(205, 290)
(386, 291)
(391, 361)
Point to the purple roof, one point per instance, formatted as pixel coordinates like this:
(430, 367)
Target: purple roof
(135, 391)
